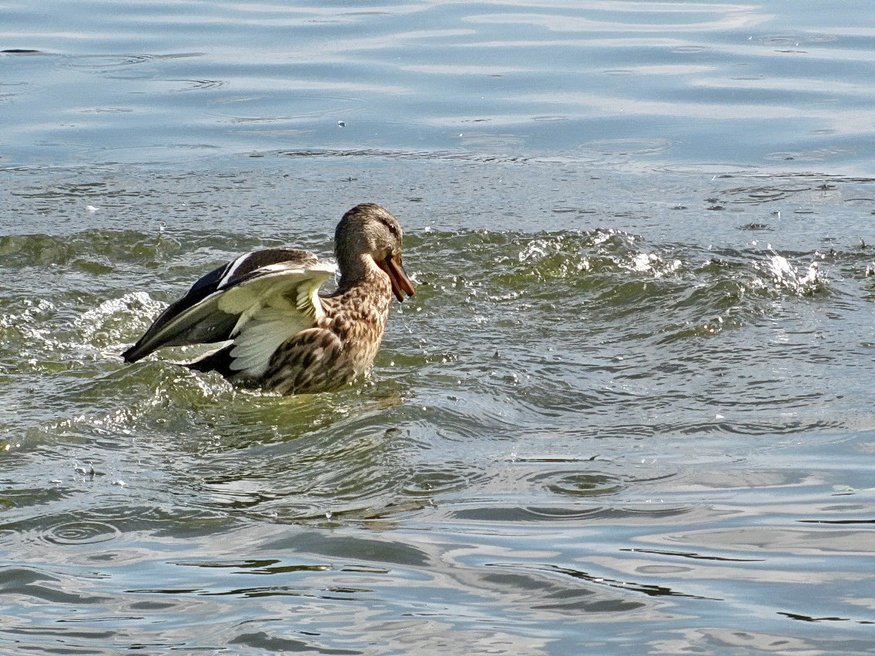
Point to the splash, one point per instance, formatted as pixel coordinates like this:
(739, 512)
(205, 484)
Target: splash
(566, 255)
(653, 264)
(783, 275)
(30, 328)
(138, 301)
(105, 328)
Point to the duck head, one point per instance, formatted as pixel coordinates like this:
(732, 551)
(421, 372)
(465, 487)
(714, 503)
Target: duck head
(369, 231)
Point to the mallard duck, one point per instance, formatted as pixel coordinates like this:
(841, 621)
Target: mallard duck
(276, 330)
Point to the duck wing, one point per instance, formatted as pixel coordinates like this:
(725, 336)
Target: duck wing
(259, 300)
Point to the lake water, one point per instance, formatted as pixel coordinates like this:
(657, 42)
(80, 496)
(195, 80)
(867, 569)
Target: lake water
(629, 410)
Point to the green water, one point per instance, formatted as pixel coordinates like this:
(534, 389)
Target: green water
(650, 421)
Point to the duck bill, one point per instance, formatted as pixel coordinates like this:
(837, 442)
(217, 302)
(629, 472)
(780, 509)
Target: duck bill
(401, 284)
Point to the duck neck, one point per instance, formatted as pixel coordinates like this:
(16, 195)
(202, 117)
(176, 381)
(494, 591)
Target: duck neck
(355, 270)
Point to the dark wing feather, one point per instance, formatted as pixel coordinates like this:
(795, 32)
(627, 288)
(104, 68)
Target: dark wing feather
(196, 318)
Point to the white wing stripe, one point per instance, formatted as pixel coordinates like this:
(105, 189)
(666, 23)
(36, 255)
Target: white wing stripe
(232, 266)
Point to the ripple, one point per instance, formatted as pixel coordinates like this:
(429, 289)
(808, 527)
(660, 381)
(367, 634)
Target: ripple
(80, 532)
(104, 62)
(200, 85)
(577, 484)
(431, 482)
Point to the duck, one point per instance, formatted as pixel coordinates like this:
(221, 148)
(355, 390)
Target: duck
(273, 327)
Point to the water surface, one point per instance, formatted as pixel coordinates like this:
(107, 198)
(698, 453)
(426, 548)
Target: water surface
(671, 83)
(626, 412)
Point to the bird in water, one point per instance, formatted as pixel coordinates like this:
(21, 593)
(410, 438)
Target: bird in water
(274, 329)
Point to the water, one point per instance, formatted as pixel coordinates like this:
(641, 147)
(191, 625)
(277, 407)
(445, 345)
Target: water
(719, 83)
(628, 410)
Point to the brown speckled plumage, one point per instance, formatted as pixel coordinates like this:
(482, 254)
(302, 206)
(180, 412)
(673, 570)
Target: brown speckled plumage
(340, 348)
(276, 333)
